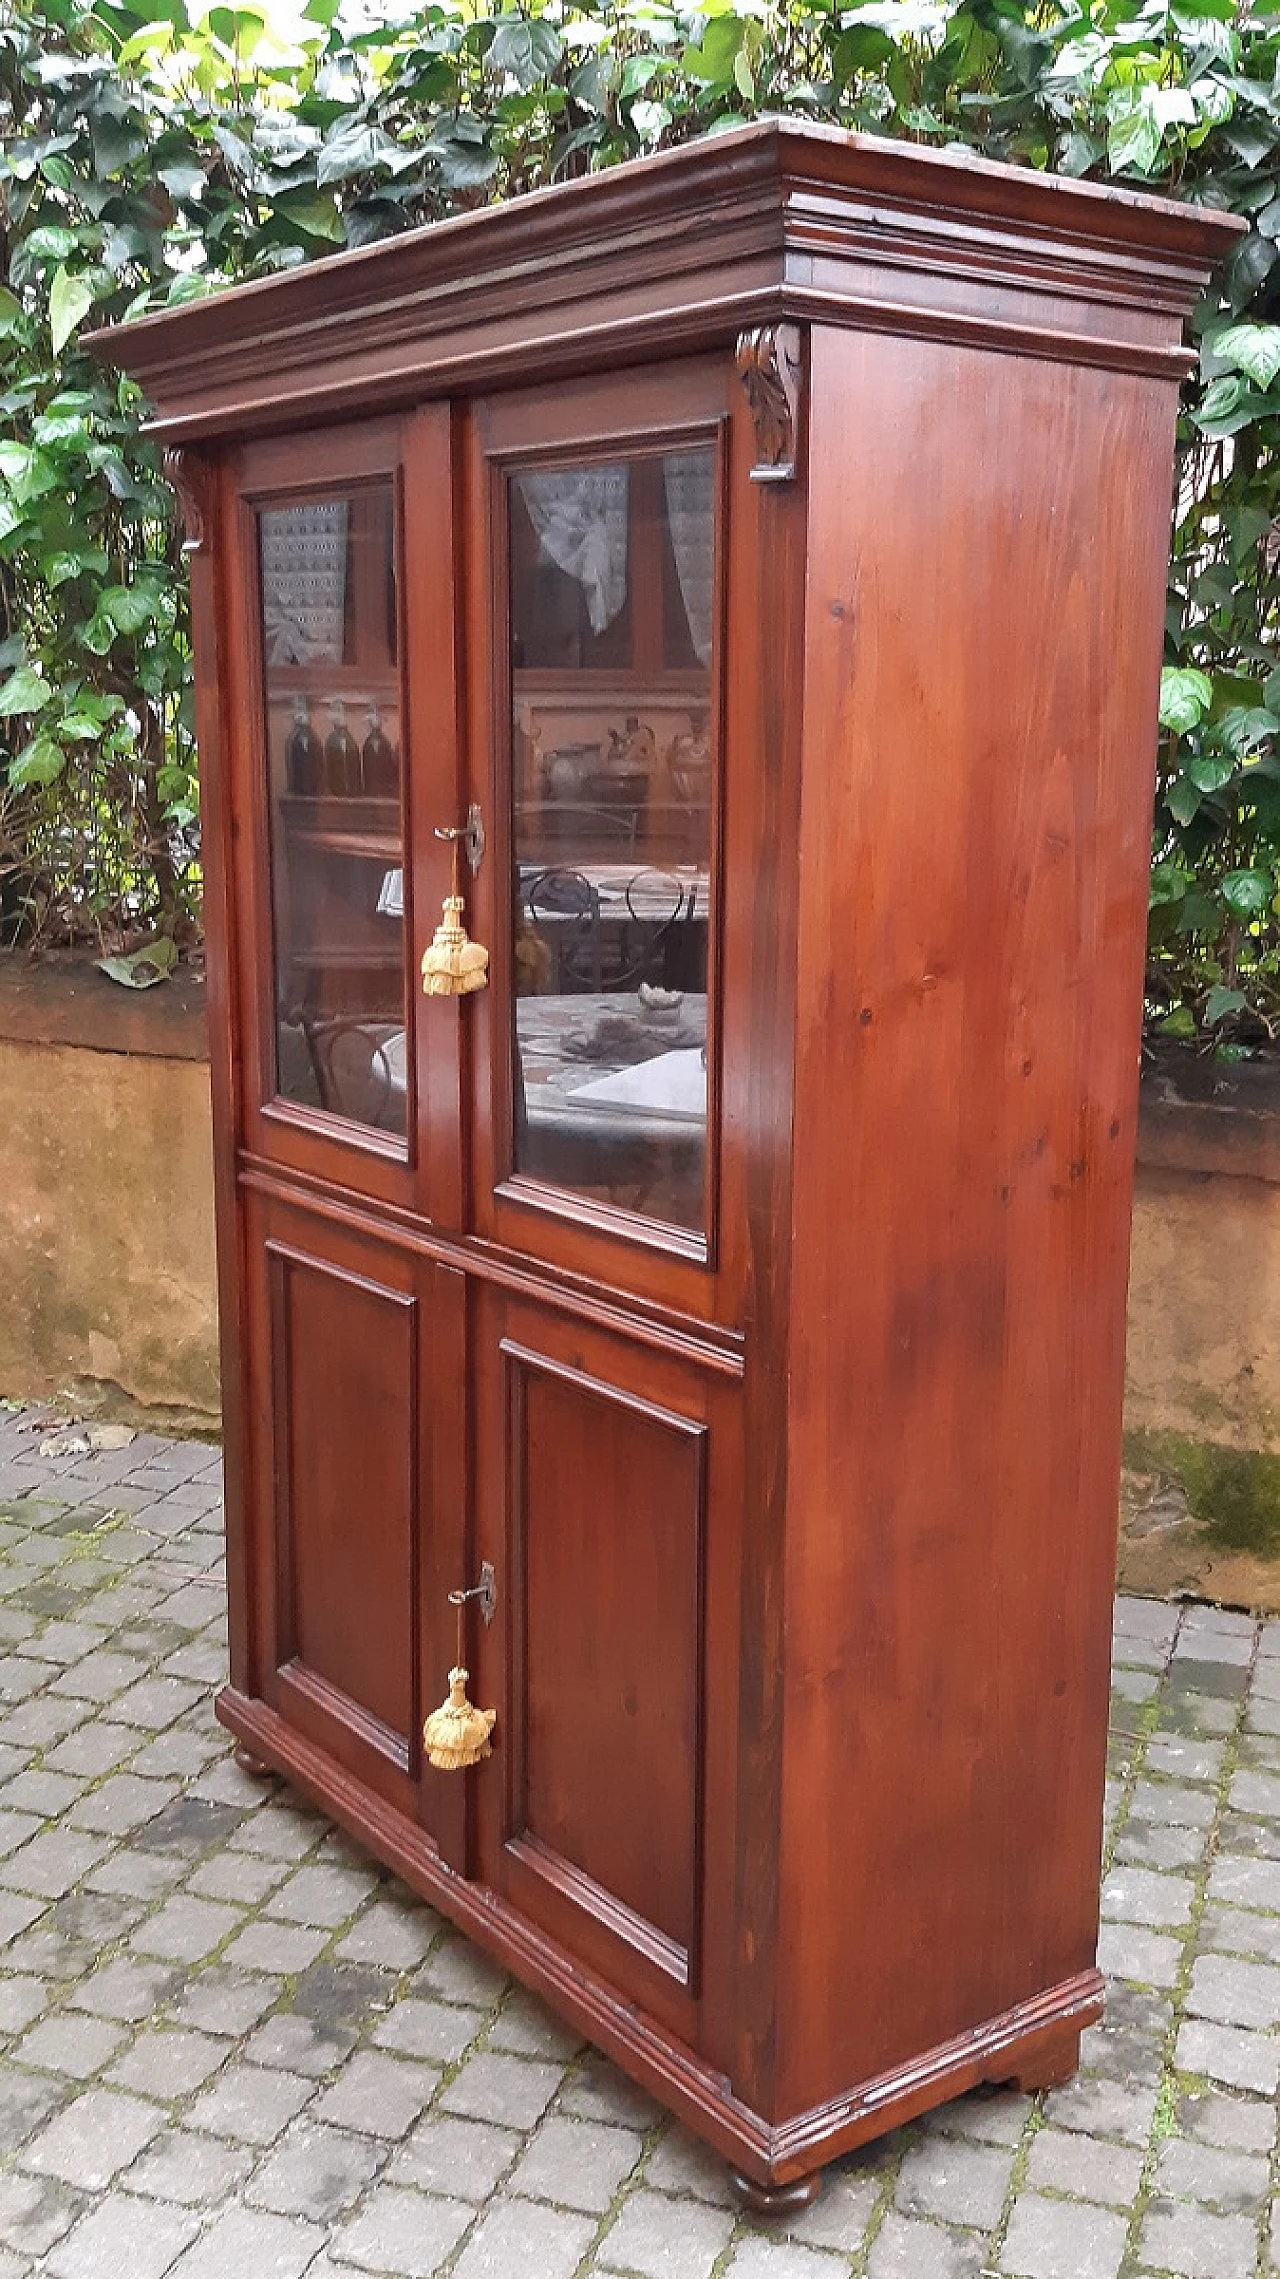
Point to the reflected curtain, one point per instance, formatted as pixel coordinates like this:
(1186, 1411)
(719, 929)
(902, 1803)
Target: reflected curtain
(689, 480)
(580, 516)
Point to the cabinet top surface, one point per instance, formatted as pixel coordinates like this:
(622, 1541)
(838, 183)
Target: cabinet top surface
(772, 221)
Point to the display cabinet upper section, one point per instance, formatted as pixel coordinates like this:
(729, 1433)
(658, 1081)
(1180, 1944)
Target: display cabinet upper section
(766, 223)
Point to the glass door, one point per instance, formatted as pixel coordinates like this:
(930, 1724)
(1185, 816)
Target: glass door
(604, 513)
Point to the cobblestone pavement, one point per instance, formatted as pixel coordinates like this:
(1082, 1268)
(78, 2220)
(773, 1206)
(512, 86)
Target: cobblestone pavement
(232, 2048)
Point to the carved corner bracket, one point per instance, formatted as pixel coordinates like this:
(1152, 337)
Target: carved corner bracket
(770, 362)
(189, 477)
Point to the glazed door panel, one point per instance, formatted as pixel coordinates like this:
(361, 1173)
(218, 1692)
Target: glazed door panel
(600, 582)
(605, 1485)
(358, 1443)
(345, 749)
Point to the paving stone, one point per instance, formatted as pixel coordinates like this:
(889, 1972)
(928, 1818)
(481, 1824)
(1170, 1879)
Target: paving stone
(93, 1749)
(906, 2247)
(1133, 1895)
(678, 2163)
(658, 2237)
(93, 2138)
(1063, 2239)
(1235, 1993)
(35, 2211)
(512, 2091)
(458, 1972)
(1245, 1882)
(123, 2235)
(190, 2169)
(249, 2104)
(1151, 1958)
(283, 1947)
(1086, 2167)
(125, 1989)
(1239, 1931)
(958, 2182)
(1229, 2053)
(1240, 2124)
(21, 2000)
(437, 2031)
(320, 1896)
(526, 2026)
(992, 2116)
(53, 1862)
(315, 2171)
(239, 1878)
(186, 1929)
(1169, 1800)
(396, 1936)
(1202, 2246)
(122, 1804)
(596, 2090)
(760, 2258)
(222, 2001)
(280, 1833)
(26, 2101)
(576, 2164)
(467, 2158)
(381, 2096)
(43, 1793)
(399, 2231)
(71, 2043)
(1256, 1793)
(1104, 2108)
(299, 2045)
(1234, 2182)
(248, 2243)
(1132, 1685)
(168, 2062)
(101, 1675)
(344, 1993)
(1143, 1844)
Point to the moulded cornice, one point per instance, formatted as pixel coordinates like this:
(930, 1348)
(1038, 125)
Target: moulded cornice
(769, 223)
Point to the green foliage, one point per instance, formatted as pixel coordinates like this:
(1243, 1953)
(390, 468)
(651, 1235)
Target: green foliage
(146, 158)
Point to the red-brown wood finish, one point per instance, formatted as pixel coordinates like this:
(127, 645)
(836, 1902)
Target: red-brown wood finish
(802, 1522)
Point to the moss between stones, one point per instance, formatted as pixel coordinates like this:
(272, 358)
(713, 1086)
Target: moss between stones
(1233, 1493)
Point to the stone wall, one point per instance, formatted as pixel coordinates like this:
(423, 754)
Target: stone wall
(106, 1216)
(106, 1200)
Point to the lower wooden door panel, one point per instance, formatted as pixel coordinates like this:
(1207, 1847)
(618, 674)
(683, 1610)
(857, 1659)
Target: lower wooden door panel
(359, 1495)
(606, 1498)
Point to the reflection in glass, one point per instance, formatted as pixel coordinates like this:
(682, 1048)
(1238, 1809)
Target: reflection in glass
(612, 581)
(332, 707)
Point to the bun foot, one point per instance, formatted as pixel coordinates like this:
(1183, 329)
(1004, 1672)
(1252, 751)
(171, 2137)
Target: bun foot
(250, 1764)
(776, 2199)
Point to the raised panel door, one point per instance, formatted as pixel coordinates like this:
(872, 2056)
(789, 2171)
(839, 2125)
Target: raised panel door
(605, 1497)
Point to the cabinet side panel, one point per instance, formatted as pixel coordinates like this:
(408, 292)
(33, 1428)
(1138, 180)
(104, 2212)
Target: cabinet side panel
(988, 538)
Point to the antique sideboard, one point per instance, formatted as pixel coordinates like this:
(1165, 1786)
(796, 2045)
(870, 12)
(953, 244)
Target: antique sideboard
(735, 582)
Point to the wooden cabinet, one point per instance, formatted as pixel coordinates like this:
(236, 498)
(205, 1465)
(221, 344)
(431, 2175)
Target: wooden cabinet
(760, 553)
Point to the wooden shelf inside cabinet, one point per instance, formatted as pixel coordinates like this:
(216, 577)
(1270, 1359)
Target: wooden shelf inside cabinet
(345, 826)
(376, 684)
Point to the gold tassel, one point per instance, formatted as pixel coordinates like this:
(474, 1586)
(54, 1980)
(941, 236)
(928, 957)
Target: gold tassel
(454, 965)
(457, 1734)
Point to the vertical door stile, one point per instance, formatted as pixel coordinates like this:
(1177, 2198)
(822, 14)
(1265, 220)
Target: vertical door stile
(435, 783)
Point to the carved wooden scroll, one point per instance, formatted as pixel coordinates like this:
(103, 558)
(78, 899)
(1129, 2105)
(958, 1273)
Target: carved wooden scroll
(189, 478)
(771, 369)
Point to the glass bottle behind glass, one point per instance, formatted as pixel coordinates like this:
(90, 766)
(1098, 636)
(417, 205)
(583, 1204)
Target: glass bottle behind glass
(381, 760)
(303, 754)
(341, 755)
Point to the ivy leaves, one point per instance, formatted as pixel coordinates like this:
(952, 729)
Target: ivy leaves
(150, 152)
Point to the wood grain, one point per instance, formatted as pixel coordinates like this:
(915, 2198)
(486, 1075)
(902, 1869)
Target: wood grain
(803, 1532)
